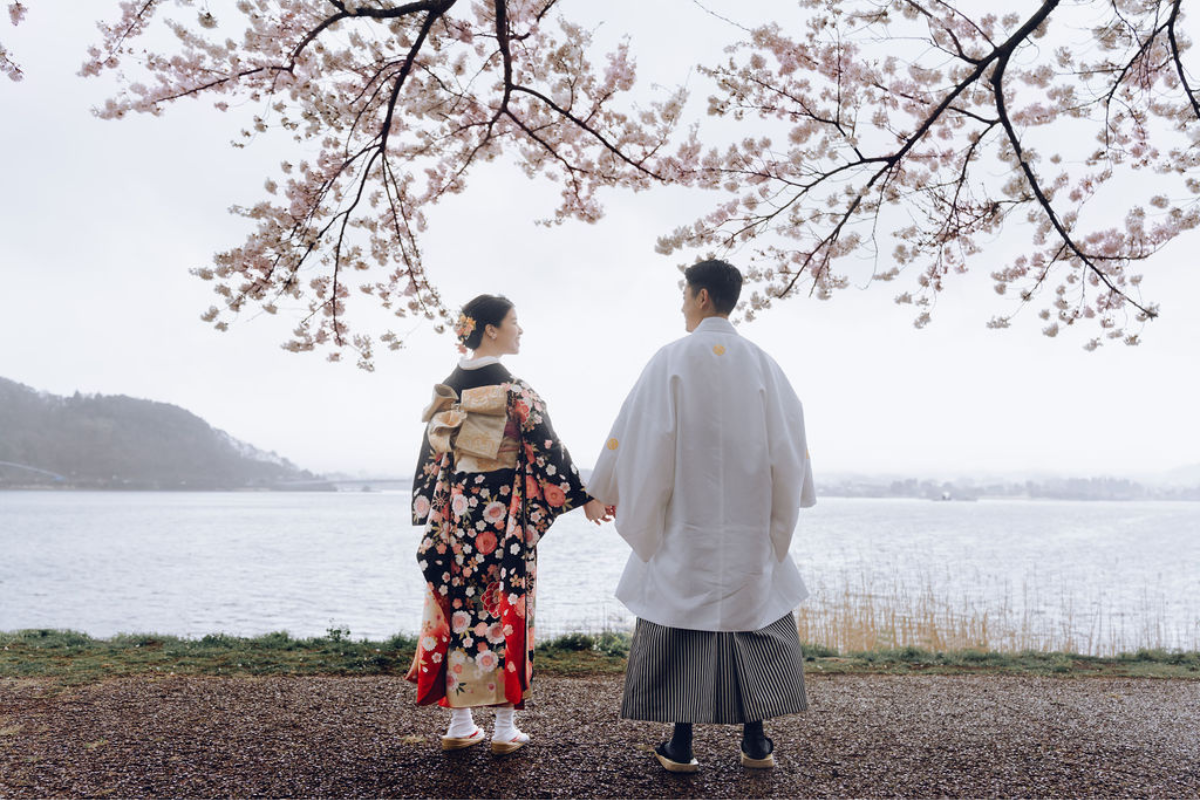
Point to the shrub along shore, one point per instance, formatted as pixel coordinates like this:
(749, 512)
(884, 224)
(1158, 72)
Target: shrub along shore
(74, 658)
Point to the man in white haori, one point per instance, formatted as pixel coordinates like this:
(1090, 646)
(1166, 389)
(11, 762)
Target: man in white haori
(708, 466)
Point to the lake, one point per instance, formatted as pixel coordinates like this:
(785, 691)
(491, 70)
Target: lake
(1091, 576)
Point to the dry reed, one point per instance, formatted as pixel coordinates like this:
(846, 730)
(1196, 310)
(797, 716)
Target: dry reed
(857, 614)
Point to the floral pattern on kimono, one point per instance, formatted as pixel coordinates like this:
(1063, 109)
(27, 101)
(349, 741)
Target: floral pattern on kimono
(479, 559)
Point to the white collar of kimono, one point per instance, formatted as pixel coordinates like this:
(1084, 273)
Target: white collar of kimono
(715, 325)
(476, 363)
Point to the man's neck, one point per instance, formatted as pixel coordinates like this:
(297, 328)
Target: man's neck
(713, 315)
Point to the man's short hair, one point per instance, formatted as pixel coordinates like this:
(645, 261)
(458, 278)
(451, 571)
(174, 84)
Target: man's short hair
(723, 281)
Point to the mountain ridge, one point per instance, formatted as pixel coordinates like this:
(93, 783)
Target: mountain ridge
(96, 441)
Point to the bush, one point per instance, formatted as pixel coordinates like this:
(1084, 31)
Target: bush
(401, 641)
(48, 639)
(572, 641)
(815, 651)
(219, 640)
(614, 644)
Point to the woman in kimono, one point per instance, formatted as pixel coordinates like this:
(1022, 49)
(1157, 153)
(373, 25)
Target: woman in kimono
(491, 478)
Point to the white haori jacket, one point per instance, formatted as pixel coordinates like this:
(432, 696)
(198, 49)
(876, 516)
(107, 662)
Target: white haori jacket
(708, 466)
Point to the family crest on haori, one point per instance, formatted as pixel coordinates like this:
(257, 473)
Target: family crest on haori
(707, 465)
(706, 469)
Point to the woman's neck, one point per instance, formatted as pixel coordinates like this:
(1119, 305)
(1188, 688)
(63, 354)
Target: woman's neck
(487, 349)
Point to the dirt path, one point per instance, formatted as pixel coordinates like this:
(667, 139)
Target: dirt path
(360, 737)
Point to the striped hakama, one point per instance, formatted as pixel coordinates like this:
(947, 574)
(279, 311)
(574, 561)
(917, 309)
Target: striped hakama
(726, 678)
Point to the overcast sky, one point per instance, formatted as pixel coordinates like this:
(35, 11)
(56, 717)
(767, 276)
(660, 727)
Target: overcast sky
(100, 222)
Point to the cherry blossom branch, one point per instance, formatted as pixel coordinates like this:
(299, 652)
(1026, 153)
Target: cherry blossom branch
(1177, 60)
(16, 14)
(437, 7)
(639, 165)
(381, 151)
(999, 55)
(933, 129)
(400, 102)
(9, 67)
(136, 23)
(313, 34)
(997, 81)
(406, 69)
(400, 113)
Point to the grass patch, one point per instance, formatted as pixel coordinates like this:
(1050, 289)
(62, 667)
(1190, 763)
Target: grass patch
(76, 658)
(583, 654)
(73, 658)
(915, 660)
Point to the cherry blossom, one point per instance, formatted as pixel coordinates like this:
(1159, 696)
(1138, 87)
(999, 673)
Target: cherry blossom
(889, 141)
(394, 104)
(16, 15)
(926, 127)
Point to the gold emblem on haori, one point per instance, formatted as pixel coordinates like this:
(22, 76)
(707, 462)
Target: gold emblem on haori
(613, 444)
(719, 349)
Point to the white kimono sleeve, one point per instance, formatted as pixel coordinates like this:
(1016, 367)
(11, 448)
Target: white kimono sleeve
(636, 469)
(791, 471)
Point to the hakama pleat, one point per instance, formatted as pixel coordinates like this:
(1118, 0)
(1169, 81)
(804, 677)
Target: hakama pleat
(725, 678)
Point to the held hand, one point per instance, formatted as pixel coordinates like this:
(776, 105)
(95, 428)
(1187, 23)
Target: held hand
(597, 512)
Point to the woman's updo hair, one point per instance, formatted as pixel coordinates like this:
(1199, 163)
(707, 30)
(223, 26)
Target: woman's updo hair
(484, 310)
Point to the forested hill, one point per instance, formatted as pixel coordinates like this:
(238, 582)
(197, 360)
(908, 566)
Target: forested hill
(118, 442)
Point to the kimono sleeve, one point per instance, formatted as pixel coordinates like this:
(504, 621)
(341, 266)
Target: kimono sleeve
(558, 482)
(636, 469)
(791, 470)
(428, 465)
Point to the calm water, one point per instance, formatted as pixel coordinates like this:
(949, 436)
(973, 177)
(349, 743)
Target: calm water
(248, 563)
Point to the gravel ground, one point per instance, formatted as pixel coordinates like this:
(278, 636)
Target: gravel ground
(863, 736)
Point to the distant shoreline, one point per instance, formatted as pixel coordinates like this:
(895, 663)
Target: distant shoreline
(170, 489)
(387, 487)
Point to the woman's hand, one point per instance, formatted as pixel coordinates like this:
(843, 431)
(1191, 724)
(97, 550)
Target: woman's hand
(597, 512)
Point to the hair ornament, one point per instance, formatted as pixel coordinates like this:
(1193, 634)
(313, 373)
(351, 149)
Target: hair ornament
(463, 330)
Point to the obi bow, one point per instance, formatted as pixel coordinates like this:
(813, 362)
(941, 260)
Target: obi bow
(472, 425)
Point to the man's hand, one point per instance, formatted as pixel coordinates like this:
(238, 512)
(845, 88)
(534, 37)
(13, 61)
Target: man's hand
(597, 512)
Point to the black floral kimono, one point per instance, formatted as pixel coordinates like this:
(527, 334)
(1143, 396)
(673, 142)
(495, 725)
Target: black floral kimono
(484, 511)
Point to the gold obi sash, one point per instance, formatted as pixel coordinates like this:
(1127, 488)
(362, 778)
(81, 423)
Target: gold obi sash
(471, 427)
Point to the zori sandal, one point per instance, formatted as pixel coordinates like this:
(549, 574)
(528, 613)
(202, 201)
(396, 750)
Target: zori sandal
(674, 766)
(459, 742)
(766, 762)
(758, 763)
(503, 747)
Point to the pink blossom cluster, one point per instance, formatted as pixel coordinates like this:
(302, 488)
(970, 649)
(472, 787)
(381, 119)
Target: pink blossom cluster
(934, 125)
(399, 102)
(906, 136)
(16, 15)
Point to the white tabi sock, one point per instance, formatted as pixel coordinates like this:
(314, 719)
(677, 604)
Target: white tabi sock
(506, 727)
(462, 724)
